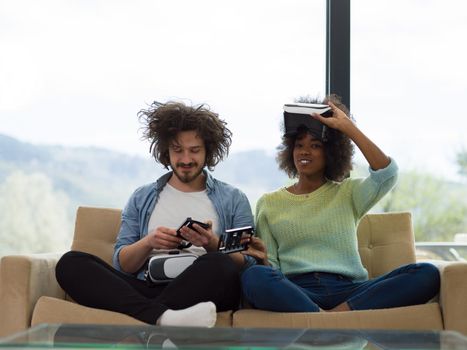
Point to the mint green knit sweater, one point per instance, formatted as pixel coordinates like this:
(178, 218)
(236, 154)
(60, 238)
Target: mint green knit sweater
(317, 231)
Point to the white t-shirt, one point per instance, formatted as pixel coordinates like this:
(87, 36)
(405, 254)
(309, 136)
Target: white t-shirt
(174, 206)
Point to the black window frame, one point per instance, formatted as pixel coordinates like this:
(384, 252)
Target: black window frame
(338, 49)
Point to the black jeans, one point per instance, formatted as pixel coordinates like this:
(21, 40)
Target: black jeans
(92, 282)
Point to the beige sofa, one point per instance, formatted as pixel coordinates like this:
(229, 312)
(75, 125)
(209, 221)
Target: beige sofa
(30, 295)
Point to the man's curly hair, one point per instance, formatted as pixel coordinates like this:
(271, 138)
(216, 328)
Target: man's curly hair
(338, 149)
(163, 121)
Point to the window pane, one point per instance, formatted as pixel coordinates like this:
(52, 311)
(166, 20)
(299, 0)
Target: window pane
(408, 85)
(75, 73)
(98, 63)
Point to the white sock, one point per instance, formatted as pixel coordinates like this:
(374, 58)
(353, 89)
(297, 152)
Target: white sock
(168, 344)
(199, 315)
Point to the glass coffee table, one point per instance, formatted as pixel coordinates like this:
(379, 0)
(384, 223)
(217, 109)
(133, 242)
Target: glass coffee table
(69, 336)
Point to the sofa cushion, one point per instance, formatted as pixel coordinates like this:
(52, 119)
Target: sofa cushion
(96, 230)
(385, 242)
(418, 317)
(53, 310)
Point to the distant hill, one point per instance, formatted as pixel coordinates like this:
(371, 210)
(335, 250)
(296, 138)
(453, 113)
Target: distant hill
(89, 176)
(42, 185)
(101, 177)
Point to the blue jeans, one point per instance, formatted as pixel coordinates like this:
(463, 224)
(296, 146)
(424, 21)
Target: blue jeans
(267, 288)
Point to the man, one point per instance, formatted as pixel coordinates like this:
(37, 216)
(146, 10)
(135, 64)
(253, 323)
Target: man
(187, 139)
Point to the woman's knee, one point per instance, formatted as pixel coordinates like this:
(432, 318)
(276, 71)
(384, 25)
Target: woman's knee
(431, 275)
(257, 276)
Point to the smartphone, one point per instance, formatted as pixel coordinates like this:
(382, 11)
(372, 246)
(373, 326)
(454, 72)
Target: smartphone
(189, 222)
(231, 240)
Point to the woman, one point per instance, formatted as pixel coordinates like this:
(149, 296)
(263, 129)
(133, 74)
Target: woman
(309, 228)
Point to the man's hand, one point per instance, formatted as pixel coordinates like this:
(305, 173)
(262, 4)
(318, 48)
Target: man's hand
(163, 238)
(257, 249)
(201, 237)
(132, 257)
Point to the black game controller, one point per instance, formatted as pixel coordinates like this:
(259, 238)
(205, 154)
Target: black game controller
(231, 240)
(189, 222)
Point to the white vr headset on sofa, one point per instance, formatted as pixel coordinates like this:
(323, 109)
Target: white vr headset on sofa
(165, 267)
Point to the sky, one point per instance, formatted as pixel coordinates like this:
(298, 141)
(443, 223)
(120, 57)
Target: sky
(76, 72)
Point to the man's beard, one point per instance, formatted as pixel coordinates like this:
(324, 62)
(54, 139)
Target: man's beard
(184, 177)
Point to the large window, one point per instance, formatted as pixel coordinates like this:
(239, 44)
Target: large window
(75, 73)
(408, 84)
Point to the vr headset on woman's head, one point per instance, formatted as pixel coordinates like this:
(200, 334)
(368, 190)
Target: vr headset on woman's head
(297, 117)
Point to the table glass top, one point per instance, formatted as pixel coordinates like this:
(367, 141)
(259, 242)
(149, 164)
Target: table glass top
(152, 337)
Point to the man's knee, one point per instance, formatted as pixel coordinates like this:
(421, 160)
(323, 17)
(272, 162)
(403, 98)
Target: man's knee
(66, 261)
(70, 263)
(218, 261)
(219, 267)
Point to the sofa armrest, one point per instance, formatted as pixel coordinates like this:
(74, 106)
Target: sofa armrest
(23, 280)
(453, 295)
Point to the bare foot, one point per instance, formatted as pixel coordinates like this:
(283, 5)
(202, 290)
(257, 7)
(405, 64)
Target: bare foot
(341, 307)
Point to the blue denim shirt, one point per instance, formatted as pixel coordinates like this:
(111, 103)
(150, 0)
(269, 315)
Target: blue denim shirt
(231, 205)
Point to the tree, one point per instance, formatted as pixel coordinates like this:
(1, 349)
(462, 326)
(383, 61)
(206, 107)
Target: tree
(438, 207)
(33, 217)
(461, 159)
